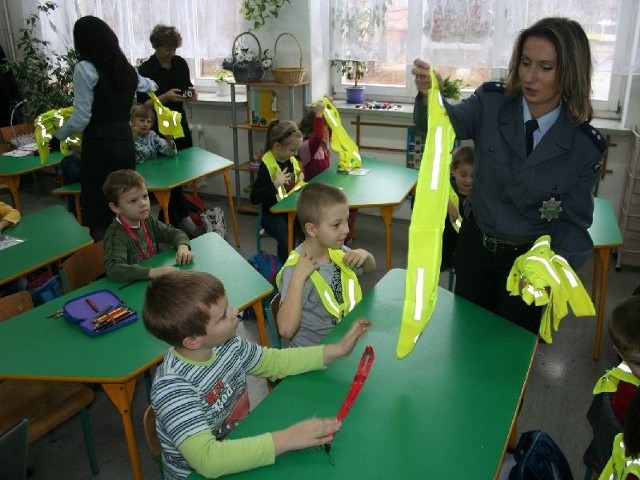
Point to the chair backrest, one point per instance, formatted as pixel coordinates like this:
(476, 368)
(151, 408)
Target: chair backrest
(150, 432)
(15, 304)
(271, 312)
(83, 267)
(13, 452)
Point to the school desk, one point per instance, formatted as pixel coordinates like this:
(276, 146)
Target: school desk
(49, 235)
(384, 187)
(443, 412)
(165, 173)
(33, 346)
(605, 234)
(12, 168)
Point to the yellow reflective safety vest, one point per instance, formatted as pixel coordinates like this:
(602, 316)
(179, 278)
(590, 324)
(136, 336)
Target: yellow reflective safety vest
(453, 198)
(45, 126)
(273, 167)
(168, 120)
(341, 143)
(610, 380)
(540, 268)
(619, 465)
(351, 291)
(427, 224)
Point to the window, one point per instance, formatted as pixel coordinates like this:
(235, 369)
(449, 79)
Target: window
(472, 40)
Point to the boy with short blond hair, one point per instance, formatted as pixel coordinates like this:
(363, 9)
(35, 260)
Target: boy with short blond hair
(147, 142)
(134, 234)
(199, 393)
(318, 282)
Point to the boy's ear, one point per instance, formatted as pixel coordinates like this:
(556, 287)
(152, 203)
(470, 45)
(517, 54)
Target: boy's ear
(310, 229)
(192, 343)
(114, 208)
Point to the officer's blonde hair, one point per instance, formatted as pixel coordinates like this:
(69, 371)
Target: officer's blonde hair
(573, 69)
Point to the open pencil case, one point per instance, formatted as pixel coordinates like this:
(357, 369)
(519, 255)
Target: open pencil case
(98, 312)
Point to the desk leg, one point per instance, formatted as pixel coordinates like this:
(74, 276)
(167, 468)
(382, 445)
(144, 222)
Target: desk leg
(13, 182)
(163, 199)
(232, 209)
(121, 395)
(602, 257)
(260, 321)
(291, 216)
(387, 213)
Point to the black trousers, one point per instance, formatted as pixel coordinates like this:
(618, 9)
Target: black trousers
(481, 277)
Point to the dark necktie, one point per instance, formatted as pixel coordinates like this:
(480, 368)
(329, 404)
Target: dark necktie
(529, 127)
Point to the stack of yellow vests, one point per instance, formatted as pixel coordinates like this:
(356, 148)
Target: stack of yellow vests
(341, 143)
(427, 224)
(548, 280)
(168, 120)
(45, 126)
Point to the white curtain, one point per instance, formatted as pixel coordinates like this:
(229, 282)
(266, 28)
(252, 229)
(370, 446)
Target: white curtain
(356, 28)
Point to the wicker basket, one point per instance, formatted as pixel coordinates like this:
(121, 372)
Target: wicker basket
(252, 72)
(287, 74)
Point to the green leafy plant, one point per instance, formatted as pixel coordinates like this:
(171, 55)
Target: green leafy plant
(451, 88)
(222, 75)
(45, 78)
(257, 12)
(350, 69)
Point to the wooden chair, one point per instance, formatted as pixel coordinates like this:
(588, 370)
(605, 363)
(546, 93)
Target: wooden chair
(83, 267)
(46, 405)
(13, 452)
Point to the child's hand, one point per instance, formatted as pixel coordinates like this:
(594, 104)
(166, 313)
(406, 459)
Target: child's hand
(282, 177)
(355, 258)
(184, 255)
(305, 434)
(301, 177)
(304, 268)
(334, 351)
(173, 95)
(319, 108)
(156, 272)
(452, 212)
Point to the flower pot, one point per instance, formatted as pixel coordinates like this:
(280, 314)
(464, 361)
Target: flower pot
(224, 90)
(355, 94)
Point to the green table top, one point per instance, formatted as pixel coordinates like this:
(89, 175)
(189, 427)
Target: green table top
(604, 231)
(35, 347)
(442, 412)
(164, 173)
(385, 184)
(49, 235)
(21, 165)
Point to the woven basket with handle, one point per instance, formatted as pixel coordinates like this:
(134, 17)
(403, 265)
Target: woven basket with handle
(287, 74)
(252, 72)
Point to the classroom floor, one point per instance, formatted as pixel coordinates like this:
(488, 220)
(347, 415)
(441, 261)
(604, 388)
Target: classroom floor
(555, 401)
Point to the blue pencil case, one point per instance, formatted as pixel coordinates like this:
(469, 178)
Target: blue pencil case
(98, 312)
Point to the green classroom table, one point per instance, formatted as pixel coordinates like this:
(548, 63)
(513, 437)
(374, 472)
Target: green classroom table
(605, 234)
(34, 347)
(443, 412)
(384, 187)
(12, 168)
(49, 235)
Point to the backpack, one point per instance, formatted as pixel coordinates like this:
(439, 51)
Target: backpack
(206, 219)
(538, 457)
(268, 265)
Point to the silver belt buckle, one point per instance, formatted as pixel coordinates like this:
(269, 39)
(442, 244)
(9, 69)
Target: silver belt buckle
(489, 244)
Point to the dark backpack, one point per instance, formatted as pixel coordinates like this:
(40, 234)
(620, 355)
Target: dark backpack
(268, 265)
(539, 458)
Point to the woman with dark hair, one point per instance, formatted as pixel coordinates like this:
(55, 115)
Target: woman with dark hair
(104, 86)
(536, 161)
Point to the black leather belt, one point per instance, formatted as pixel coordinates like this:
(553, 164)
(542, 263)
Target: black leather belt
(494, 245)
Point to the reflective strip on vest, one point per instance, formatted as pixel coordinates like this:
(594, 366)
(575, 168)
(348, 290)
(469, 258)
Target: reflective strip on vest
(341, 143)
(351, 291)
(273, 167)
(169, 121)
(453, 198)
(45, 126)
(427, 224)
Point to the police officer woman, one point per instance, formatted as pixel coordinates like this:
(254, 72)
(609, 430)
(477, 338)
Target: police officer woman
(525, 187)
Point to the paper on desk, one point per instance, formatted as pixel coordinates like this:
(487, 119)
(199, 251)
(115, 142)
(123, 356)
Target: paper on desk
(18, 153)
(6, 241)
(359, 171)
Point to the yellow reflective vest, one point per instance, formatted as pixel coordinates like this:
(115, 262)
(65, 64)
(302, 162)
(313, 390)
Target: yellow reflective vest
(427, 224)
(610, 380)
(619, 465)
(45, 126)
(351, 291)
(341, 143)
(273, 167)
(168, 120)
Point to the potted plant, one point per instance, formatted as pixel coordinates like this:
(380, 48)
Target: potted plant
(352, 70)
(257, 12)
(247, 65)
(451, 88)
(222, 78)
(45, 78)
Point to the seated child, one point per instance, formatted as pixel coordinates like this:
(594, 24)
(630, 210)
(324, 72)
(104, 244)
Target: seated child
(279, 172)
(624, 463)
(461, 181)
(147, 142)
(199, 392)
(134, 234)
(617, 385)
(318, 283)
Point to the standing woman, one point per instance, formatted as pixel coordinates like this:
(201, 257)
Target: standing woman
(526, 187)
(104, 86)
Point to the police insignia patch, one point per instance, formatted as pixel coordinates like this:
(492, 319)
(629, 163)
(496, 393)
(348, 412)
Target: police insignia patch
(550, 209)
